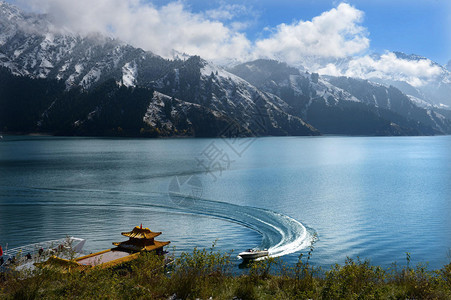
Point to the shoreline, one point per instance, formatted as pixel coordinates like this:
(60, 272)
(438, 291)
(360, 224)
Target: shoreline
(52, 134)
(206, 274)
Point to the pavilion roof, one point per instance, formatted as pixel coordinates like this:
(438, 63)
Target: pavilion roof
(141, 233)
(141, 245)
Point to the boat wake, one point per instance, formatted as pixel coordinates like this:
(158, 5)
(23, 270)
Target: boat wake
(281, 234)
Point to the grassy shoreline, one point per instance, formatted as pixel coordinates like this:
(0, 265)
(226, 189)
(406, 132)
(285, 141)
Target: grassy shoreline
(209, 273)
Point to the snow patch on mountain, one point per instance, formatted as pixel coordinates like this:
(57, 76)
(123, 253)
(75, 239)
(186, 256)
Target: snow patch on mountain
(210, 68)
(155, 111)
(91, 77)
(129, 74)
(420, 102)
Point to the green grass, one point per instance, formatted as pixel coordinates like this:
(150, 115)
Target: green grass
(209, 273)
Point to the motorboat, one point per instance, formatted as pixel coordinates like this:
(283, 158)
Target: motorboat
(251, 254)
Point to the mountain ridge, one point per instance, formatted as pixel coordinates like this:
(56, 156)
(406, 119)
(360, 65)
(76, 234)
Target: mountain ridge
(313, 96)
(271, 99)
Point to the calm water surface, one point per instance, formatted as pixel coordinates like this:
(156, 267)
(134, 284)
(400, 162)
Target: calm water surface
(372, 197)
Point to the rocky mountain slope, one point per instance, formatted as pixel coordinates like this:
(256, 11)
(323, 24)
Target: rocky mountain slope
(344, 105)
(200, 82)
(30, 46)
(433, 88)
(98, 77)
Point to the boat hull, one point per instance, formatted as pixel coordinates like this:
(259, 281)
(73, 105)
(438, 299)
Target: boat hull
(251, 255)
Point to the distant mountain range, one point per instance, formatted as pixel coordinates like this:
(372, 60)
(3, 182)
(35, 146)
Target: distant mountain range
(342, 105)
(56, 81)
(436, 92)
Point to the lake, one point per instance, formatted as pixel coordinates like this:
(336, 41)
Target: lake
(368, 197)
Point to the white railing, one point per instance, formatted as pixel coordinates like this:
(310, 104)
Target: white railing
(69, 248)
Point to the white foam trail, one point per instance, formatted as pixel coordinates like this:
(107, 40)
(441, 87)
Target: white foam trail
(297, 239)
(281, 234)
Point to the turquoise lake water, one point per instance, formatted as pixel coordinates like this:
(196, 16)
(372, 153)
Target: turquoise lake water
(372, 197)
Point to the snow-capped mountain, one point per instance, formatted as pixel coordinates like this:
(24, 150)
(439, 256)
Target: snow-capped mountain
(436, 91)
(338, 104)
(31, 46)
(414, 75)
(391, 98)
(190, 96)
(198, 81)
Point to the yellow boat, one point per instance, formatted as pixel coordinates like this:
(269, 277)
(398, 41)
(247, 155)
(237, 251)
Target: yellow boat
(140, 240)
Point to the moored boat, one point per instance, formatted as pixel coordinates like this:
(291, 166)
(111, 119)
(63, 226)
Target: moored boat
(25, 257)
(140, 240)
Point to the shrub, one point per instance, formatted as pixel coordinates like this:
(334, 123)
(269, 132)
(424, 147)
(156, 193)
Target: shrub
(209, 273)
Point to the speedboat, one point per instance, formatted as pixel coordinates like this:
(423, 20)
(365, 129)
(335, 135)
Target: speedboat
(251, 254)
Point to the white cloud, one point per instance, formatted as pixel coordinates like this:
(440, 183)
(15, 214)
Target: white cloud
(226, 12)
(159, 30)
(387, 66)
(330, 69)
(213, 34)
(333, 34)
